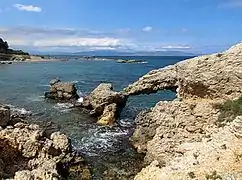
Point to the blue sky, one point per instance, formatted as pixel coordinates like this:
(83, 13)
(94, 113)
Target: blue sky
(200, 26)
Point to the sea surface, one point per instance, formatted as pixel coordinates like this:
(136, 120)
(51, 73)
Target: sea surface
(107, 150)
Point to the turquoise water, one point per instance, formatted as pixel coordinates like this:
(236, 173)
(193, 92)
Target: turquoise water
(23, 85)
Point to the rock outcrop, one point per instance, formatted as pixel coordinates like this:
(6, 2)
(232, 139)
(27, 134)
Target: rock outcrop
(25, 153)
(105, 103)
(63, 91)
(210, 76)
(215, 157)
(180, 138)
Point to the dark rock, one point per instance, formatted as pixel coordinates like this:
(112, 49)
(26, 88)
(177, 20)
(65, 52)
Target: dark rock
(4, 115)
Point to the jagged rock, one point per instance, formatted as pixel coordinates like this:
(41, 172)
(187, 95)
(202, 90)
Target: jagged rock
(109, 115)
(210, 76)
(28, 154)
(105, 103)
(54, 81)
(160, 131)
(236, 126)
(181, 137)
(215, 157)
(60, 141)
(4, 115)
(62, 91)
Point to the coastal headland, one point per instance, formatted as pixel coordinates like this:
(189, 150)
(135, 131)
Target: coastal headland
(195, 136)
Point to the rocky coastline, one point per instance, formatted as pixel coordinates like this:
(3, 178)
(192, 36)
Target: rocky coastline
(195, 136)
(181, 139)
(26, 152)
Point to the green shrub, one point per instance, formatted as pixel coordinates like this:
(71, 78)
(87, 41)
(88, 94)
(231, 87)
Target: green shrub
(229, 111)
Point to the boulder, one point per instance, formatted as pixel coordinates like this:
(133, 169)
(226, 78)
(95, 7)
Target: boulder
(109, 115)
(105, 103)
(62, 91)
(4, 115)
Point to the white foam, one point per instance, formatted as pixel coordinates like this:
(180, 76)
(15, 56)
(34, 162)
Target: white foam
(75, 82)
(20, 111)
(35, 98)
(80, 100)
(63, 106)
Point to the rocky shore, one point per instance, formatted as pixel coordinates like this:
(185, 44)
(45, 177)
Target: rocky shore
(182, 139)
(27, 153)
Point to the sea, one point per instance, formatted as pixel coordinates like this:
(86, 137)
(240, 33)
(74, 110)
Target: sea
(106, 150)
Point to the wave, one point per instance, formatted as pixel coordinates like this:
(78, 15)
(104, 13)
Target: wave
(16, 111)
(45, 85)
(102, 140)
(36, 98)
(63, 107)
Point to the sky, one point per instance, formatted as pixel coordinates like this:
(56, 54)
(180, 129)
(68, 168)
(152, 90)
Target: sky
(198, 26)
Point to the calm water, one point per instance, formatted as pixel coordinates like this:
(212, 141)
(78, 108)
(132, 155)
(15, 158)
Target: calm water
(23, 85)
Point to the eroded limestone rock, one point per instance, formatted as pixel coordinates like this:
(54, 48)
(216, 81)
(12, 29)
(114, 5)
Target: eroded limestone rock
(181, 138)
(26, 153)
(105, 103)
(62, 91)
(215, 157)
(160, 131)
(211, 76)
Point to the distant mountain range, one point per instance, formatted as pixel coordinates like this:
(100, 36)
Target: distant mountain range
(141, 53)
(119, 53)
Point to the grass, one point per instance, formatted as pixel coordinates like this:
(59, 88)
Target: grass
(229, 111)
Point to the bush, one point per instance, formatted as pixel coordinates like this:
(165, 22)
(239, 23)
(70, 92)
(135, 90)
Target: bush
(229, 111)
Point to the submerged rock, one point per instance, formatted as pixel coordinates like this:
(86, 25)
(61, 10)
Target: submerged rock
(62, 91)
(105, 103)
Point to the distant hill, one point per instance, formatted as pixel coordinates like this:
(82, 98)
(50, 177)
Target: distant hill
(141, 53)
(119, 53)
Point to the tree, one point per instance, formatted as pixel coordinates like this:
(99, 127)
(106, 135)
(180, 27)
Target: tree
(3, 45)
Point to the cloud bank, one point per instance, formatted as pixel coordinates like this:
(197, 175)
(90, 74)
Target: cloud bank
(30, 8)
(74, 40)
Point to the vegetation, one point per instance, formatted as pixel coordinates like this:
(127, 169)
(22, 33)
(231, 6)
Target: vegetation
(4, 49)
(3, 46)
(213, 176)
(229, 111)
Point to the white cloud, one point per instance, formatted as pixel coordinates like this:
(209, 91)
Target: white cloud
(61, 38)
(176, 47)
(147, 29)
(79, 42)
(75, 40)
(31, 8)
